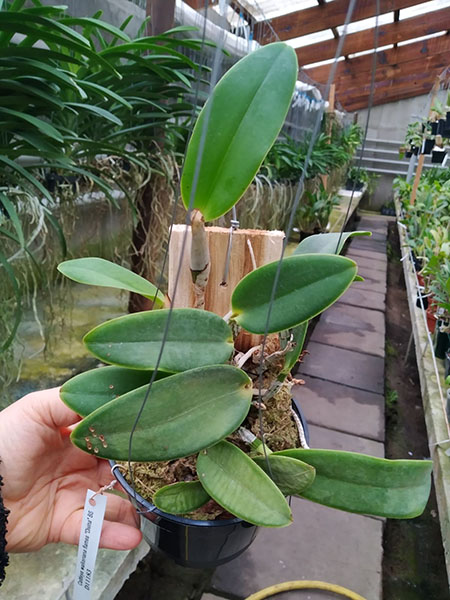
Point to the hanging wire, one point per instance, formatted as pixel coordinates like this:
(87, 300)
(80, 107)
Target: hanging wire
(298, 196)
(366, 129)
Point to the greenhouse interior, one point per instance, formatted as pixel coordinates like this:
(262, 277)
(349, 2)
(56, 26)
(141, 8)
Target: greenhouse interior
(225, 299)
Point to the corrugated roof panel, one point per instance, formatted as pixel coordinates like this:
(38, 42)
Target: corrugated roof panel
(268, 9)
(425, 7)
(367, 23)
(312, 38)
(322, 63)
(423, 37)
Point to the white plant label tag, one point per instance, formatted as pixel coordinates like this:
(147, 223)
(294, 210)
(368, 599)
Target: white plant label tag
(91, 528)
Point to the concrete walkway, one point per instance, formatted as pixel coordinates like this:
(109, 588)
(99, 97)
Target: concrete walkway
(343, 400)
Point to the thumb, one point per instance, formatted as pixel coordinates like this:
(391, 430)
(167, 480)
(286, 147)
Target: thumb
(51, 410)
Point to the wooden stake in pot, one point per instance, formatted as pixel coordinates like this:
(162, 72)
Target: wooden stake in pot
(264, 247)
(200, 259)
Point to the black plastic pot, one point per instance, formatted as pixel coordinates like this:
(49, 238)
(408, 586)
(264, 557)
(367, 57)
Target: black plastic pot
(441, 126)
(447, 120)
(437, 157)
(418, 263)
(408, 153)
(427, 146)
(388, 210)
(415, 150)
(442, 342)
(424, 300)
(434, 127)
(350, 185)
(194, 544)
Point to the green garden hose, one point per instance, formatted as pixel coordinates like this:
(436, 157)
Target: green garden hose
(304, 585)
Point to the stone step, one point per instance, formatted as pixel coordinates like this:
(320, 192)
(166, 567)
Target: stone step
(369, 264)
(366, 253)
(363, 297)
(341, 408)
(368, 244)
(374, 281)
(329, 439)
(348, 367)
(345, 326)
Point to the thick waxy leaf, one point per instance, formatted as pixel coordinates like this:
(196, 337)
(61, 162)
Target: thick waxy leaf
(88, 391)
(184, 413)
(97, 271)
(195, 338)
(242, 119)
(182, 497)
(397, 489)
(291, 357)
(307, 285)
(326, 243)
(236, 482)
(292, 476)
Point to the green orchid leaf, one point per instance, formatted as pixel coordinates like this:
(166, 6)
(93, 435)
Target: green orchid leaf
(307, 285)
(291, 357)
(194, 338)
(236, 482)
(180, 498)
(242, 118)
(397, 489)
(292, 476)
(358, 278)
(184, 413)
(326, 243)
(97, 271)
(87, 391)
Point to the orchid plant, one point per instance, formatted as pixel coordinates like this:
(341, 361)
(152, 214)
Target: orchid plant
(203, 389)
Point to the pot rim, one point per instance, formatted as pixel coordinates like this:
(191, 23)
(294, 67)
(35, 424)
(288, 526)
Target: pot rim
(176, 518)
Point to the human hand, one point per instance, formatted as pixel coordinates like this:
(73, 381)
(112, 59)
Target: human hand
(45, 479)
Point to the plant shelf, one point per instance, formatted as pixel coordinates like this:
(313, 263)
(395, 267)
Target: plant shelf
(434, 409)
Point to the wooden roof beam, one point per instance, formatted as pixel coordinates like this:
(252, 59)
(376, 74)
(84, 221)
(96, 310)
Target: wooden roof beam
(435, 63)
(197, 4)
(396, 91)
(392, 33)
(328, 15)
(361, 66)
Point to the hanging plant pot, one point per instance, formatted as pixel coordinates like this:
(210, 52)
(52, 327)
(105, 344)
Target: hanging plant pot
(437, 156)
(447, 120)
(190, 543)
(408, 153)
(434, 127)
(194, 544)
(427, 146)
(415, 150)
